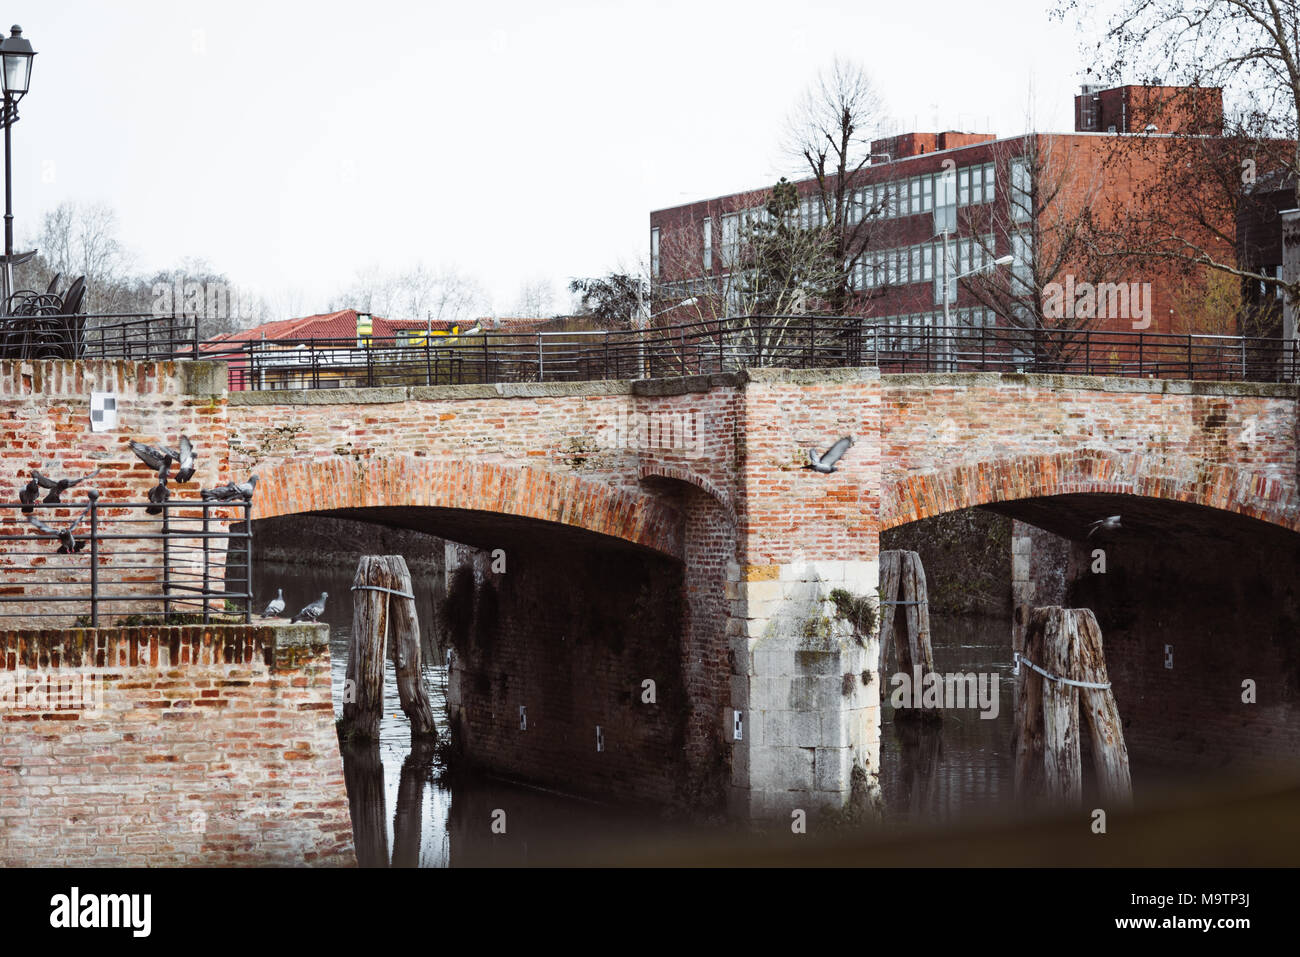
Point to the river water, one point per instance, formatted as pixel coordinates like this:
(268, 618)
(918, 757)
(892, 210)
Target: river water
(405, 815)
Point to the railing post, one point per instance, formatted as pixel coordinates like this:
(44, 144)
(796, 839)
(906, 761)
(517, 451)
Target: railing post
(248, 561)
(1141, 356)
(681, 333)
(194, 334)
(94, 564)
(166, 562)
(1087, 352)
(541, 360)
(1191, 371)
(206, 564)
(485, 359)
(428, 366)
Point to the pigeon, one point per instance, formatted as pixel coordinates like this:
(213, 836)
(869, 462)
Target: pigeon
(27, 495)
(185, 461)
(1104, 525)
(314, 610)
(59, 486)
(159, 494)
(231, 490)
(68, 544)
(151, 455)
(276, 605)
(826, 463)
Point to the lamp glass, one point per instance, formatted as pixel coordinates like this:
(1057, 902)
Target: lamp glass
(17, 72)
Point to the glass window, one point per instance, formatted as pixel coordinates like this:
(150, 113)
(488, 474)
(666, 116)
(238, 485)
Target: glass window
(963, 186)
(927, 262)
(916, 265)
(916, 194)
(654, 252)
(1021, 191)
(988, 182)
(708, 243)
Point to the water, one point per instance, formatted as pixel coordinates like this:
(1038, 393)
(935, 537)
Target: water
(405, 814)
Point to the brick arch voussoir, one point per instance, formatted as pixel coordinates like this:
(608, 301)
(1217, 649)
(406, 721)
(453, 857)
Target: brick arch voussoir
(522, 491)
(921, 495)
(679, 474)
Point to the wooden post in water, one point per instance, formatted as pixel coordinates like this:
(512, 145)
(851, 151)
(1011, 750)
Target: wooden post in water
(365, 677)
(903, 594)
(1062, 765)
(1066, 642)
(1109, 752)
(405, 648)
(382, 597)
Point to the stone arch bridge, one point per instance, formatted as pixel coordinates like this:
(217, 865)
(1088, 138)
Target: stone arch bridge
(672, 520)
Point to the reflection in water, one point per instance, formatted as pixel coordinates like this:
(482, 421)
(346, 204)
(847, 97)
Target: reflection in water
(926, 774)
(964, 765)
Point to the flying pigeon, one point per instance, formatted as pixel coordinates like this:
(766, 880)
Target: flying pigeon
(276, 605)
(826, 463)
(68, 544)
(152, 455)
(1104, 525)
(185, 461)
(314, 610)
(231, 490)
(59, 486)
(27, 495)
(159, 494)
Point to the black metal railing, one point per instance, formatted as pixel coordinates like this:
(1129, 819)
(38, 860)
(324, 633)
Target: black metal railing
(748, 342)
(192, 562)
(43, 334)
(726, 345)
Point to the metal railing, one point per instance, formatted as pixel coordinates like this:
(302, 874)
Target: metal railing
(749, 342)
(187, 561)
(725, 345)
(134, 336)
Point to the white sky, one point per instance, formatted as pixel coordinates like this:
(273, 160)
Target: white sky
(291, 143)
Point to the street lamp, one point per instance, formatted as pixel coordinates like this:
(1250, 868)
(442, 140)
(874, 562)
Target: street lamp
(643, 321)
(947, 283)
(16, 75)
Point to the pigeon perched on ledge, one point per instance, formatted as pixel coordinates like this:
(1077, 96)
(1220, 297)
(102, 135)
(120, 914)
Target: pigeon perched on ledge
(68, 543)
(58, 486)
(185, 461)
(826, 463)
(276, 605)
(231, 491)
(314, 610)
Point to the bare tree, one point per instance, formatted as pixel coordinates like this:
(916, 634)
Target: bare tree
(1251, 49)
(1058, 284)
(443, 295)
(536, 299)
(830, 135)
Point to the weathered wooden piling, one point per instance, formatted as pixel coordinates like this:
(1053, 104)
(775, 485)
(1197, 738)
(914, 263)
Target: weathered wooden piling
(382, 599)
(1066, 643)
(903, 594)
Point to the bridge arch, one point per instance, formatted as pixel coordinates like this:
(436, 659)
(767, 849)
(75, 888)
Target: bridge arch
(519, 491)
(920, 495)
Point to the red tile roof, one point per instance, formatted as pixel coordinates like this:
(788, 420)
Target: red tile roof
(330, 325)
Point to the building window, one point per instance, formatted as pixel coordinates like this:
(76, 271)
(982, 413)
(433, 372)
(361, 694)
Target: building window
(730, 238)
(654, 252)
(1022, 268)
(708, 243)
(1022, 200)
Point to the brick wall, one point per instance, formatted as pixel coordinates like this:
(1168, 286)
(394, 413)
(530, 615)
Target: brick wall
(170, 746)
(950, 442)
(45, 426)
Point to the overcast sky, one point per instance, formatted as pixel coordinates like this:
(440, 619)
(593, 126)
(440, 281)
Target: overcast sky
(289, 144)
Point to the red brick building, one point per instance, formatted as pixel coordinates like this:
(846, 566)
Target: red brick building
(1018, 196)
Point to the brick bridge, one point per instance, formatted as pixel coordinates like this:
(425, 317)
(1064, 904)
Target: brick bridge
(702, 475)
(669, 561)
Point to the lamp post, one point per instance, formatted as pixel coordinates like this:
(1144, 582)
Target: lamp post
(642, 324)
(947, 290)
(17, 54)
